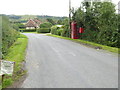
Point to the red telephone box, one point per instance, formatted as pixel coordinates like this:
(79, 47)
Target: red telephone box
(75, 31)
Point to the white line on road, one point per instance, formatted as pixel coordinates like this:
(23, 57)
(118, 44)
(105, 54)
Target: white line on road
(72, 53)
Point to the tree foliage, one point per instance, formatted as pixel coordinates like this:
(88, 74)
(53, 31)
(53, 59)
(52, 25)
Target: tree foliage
(51, 21)
(43, 30)
(46, 25)
(0, 36)
(60, 22)
(9, 35)
(61, 31)
(99, 21)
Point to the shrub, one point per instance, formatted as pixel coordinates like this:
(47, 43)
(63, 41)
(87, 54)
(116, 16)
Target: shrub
(100, 23)
(27, 30)
(9, 35)
(46, 25)
(43, 30)
(66, 31)
(60, 31)
(54, 29)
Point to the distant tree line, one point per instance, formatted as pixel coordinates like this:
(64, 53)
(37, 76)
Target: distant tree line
(24, 18)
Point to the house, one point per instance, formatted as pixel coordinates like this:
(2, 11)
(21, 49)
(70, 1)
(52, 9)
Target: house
(33, 23)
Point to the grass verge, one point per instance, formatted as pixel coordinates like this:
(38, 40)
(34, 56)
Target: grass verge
(17, 54)
(91, 44)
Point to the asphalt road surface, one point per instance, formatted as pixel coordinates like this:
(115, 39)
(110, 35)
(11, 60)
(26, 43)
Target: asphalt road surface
(57, 63)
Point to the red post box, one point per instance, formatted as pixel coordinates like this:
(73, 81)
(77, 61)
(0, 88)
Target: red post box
(81, 30)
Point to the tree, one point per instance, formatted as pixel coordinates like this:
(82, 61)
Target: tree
(0, 37)
(46, 25)
(99, 21)
(9, 35)
(66, 30)
(60, 22)
(51, 21)
(20, 25)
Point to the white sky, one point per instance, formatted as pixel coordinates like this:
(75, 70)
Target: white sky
(38, 7)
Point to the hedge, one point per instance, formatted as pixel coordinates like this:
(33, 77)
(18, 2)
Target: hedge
(46, 25)
(54, 29)
(27, 30)
(43, 30)
(100, 22)
(9, 35)
(0, 36)
(61, 31)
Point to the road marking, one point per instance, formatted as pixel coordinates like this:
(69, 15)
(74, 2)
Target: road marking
(55, 50)
(72, 53)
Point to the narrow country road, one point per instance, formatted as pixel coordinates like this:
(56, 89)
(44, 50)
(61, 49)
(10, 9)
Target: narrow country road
(57, 63)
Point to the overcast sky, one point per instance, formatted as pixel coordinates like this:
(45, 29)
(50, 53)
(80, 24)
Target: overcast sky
(38, 7)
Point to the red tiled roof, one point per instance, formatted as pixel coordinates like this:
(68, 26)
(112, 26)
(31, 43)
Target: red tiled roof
(33, 23)
(37, 21)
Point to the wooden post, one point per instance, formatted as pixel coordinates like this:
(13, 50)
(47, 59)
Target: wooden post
(3, 77)
(70, 18)
(1, 81)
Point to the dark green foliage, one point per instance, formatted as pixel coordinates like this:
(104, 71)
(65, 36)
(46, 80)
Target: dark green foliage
(23, 21)
(14, 17)
(25, 18)
(51, 21)
(27, 30)
(46, 25)
(54, 30)
(15, 27)
(43, 30)
(0, 36)
(118, 41)
(60, 21)
(99, 21)
(20, 25)
(9, 35)
(61, 31)
(66, 30)
(50, 17)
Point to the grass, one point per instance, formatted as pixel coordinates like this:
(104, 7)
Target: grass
(16, 53)
(111, 49)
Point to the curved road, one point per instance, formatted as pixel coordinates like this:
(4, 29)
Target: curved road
(57, 63)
